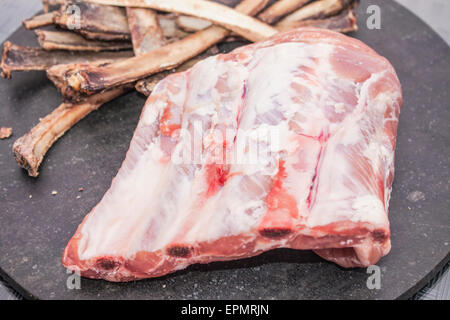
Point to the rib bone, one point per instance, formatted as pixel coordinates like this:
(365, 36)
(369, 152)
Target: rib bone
(192, 24)
(280, 9)
(97, 17)
(19, 58)
(317, 10)
(39, 21)
(343, 22)
(74, 82)
(66, 40)
(170, 28)
(146, 33)
(30, 149)
(96, 21)
(247, 27)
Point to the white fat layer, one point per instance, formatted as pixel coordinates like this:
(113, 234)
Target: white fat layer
(124, 229)
(348, 154)
(279, 102)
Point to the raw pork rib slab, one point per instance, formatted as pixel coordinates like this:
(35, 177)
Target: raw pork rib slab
(322, 109)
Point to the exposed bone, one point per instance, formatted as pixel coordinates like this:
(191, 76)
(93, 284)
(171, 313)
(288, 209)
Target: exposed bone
(169, 26)
(5, 132)
(146, 33)
(146, 86)
(38, 21)
(66, 40)
(97, 17)
(102, 36)
(280, 9)
(19, 58)
(248, 27)
(30, 149)
(74, 82)
(192, 24)
(251, 8)
(343, 22)
(95, 21)
(318, 10)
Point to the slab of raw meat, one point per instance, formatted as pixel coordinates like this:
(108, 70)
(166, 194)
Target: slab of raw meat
(297, 150)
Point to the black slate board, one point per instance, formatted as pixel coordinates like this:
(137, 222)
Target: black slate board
(33, 232)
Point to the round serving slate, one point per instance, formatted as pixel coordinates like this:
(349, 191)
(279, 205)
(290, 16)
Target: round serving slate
(34, 230)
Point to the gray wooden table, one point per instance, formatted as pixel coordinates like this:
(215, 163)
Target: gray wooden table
(434, 12)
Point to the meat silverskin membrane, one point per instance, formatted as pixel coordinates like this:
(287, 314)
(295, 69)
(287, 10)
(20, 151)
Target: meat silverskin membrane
(325, 185)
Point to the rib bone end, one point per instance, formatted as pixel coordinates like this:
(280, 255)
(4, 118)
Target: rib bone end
(25, 157)
(5, 71)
